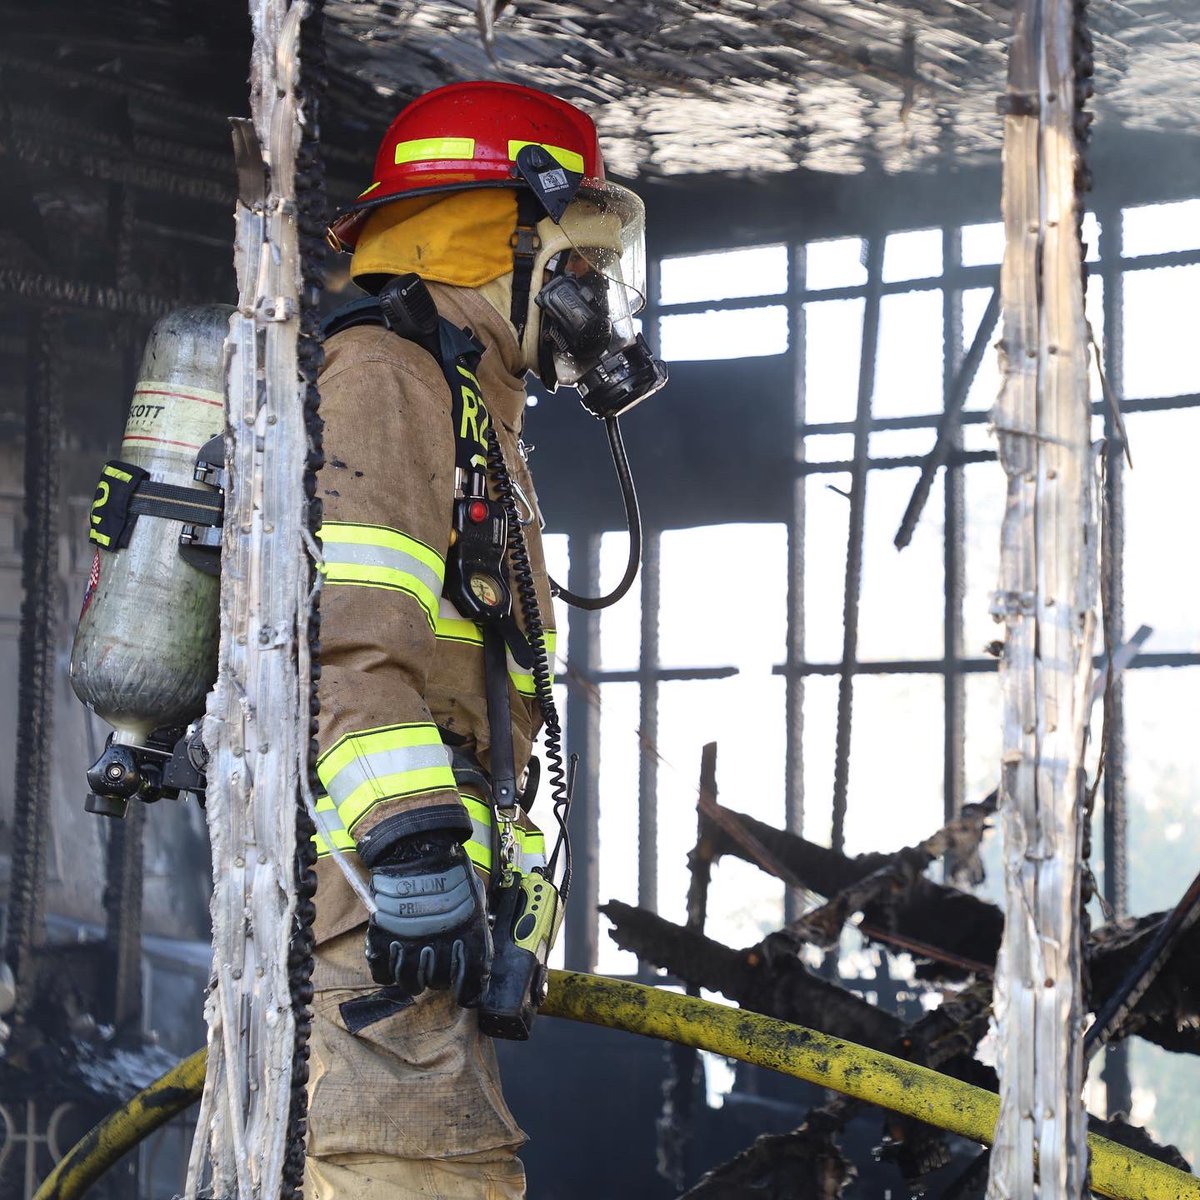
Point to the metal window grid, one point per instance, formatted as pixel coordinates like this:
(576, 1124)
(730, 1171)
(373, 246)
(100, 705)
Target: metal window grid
(954, 664)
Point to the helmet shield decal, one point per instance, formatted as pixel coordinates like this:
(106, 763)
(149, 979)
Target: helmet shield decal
(553, 183)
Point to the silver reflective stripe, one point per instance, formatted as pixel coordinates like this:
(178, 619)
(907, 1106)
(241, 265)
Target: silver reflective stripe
(526, 862)
(383, 556)
(369, 767)
(481, 833)
(329, 823)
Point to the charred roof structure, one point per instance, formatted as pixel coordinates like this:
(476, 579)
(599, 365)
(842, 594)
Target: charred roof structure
(823, 187)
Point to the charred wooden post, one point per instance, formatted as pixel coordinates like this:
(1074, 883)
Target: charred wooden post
(1046, 597)
(679, 1087)
(35, 683)
(257, 725)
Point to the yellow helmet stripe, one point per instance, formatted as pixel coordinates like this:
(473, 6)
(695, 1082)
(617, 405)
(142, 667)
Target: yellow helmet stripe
(432, 149)
(564, 158)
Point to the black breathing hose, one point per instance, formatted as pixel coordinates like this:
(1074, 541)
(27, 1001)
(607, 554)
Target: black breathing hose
(632, 519)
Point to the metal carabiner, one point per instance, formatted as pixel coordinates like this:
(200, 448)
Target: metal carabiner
(531, 513)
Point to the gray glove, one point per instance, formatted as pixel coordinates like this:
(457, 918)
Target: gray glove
(430, 929)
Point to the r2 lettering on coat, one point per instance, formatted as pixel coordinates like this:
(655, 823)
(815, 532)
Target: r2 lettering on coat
(474, 418)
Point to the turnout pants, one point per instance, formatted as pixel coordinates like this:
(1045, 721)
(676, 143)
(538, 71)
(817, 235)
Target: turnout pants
(409, 1106)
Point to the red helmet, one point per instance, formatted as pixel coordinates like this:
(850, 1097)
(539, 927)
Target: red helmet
(467, 135)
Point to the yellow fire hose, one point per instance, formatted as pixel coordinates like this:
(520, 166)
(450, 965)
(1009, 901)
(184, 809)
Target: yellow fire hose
(793, 1050)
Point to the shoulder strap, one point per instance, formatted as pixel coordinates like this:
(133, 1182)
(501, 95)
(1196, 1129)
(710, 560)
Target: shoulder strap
(364, 311)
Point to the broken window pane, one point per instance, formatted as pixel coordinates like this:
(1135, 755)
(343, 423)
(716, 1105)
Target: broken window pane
(826, 525)
(1162, 765)
(723, 275)
(832, 342)
(984, 490)
(981, 760)
(1160, 228)
(985, 387)
(1161, 587)
(828, 448)
(724, 333)
(556, 547)
(617, 860)
(982, 244)
(1162, 355)
(723, 596)
(901, 608)
(820, 740)
(902, 443)
(908, 368)
(620, 625)
(896, 752)
(914, 254)
(744, 715)
(834, 264)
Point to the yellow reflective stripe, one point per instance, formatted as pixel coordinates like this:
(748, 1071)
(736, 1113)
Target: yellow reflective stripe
(378, 556)
(330, 829)
(521, 678)
(452, 626)
(531, 843)
(365, 769)
(113, 473)
(565, 158)
(431, 149)
(368, 191)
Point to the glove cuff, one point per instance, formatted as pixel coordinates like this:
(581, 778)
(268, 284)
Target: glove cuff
(377, 845)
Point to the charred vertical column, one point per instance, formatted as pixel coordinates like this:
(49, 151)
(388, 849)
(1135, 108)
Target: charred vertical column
(648, 728)
(1046, 599)
(794, 702)
(583, 738)
(854, 549)
(123, 918)
(954, 696)
(1116, 849)
(35, 683)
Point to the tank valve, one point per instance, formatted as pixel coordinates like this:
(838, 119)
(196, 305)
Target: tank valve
(115, 778)
(171, 764)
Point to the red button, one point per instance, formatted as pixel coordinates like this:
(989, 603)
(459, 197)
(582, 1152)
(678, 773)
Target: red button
(477, 510)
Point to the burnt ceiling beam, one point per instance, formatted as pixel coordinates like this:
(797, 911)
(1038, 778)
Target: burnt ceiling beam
(118, 167)
(45, 289)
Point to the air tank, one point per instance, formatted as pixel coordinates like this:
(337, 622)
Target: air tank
(145, 652)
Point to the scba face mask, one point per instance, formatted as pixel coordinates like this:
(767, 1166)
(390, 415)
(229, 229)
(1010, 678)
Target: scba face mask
(593, 264)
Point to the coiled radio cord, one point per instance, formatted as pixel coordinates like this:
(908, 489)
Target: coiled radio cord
(535, 632)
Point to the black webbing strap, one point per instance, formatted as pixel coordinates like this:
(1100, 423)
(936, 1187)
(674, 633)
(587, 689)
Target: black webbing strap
(126, 492)
(525, 244)
(495, 678)
(176, 503)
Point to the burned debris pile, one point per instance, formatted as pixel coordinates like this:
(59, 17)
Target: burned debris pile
(952, 937)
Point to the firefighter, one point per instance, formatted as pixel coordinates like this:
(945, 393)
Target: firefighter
(494, 195)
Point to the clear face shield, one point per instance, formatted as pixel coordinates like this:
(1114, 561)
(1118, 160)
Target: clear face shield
(594, 270)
